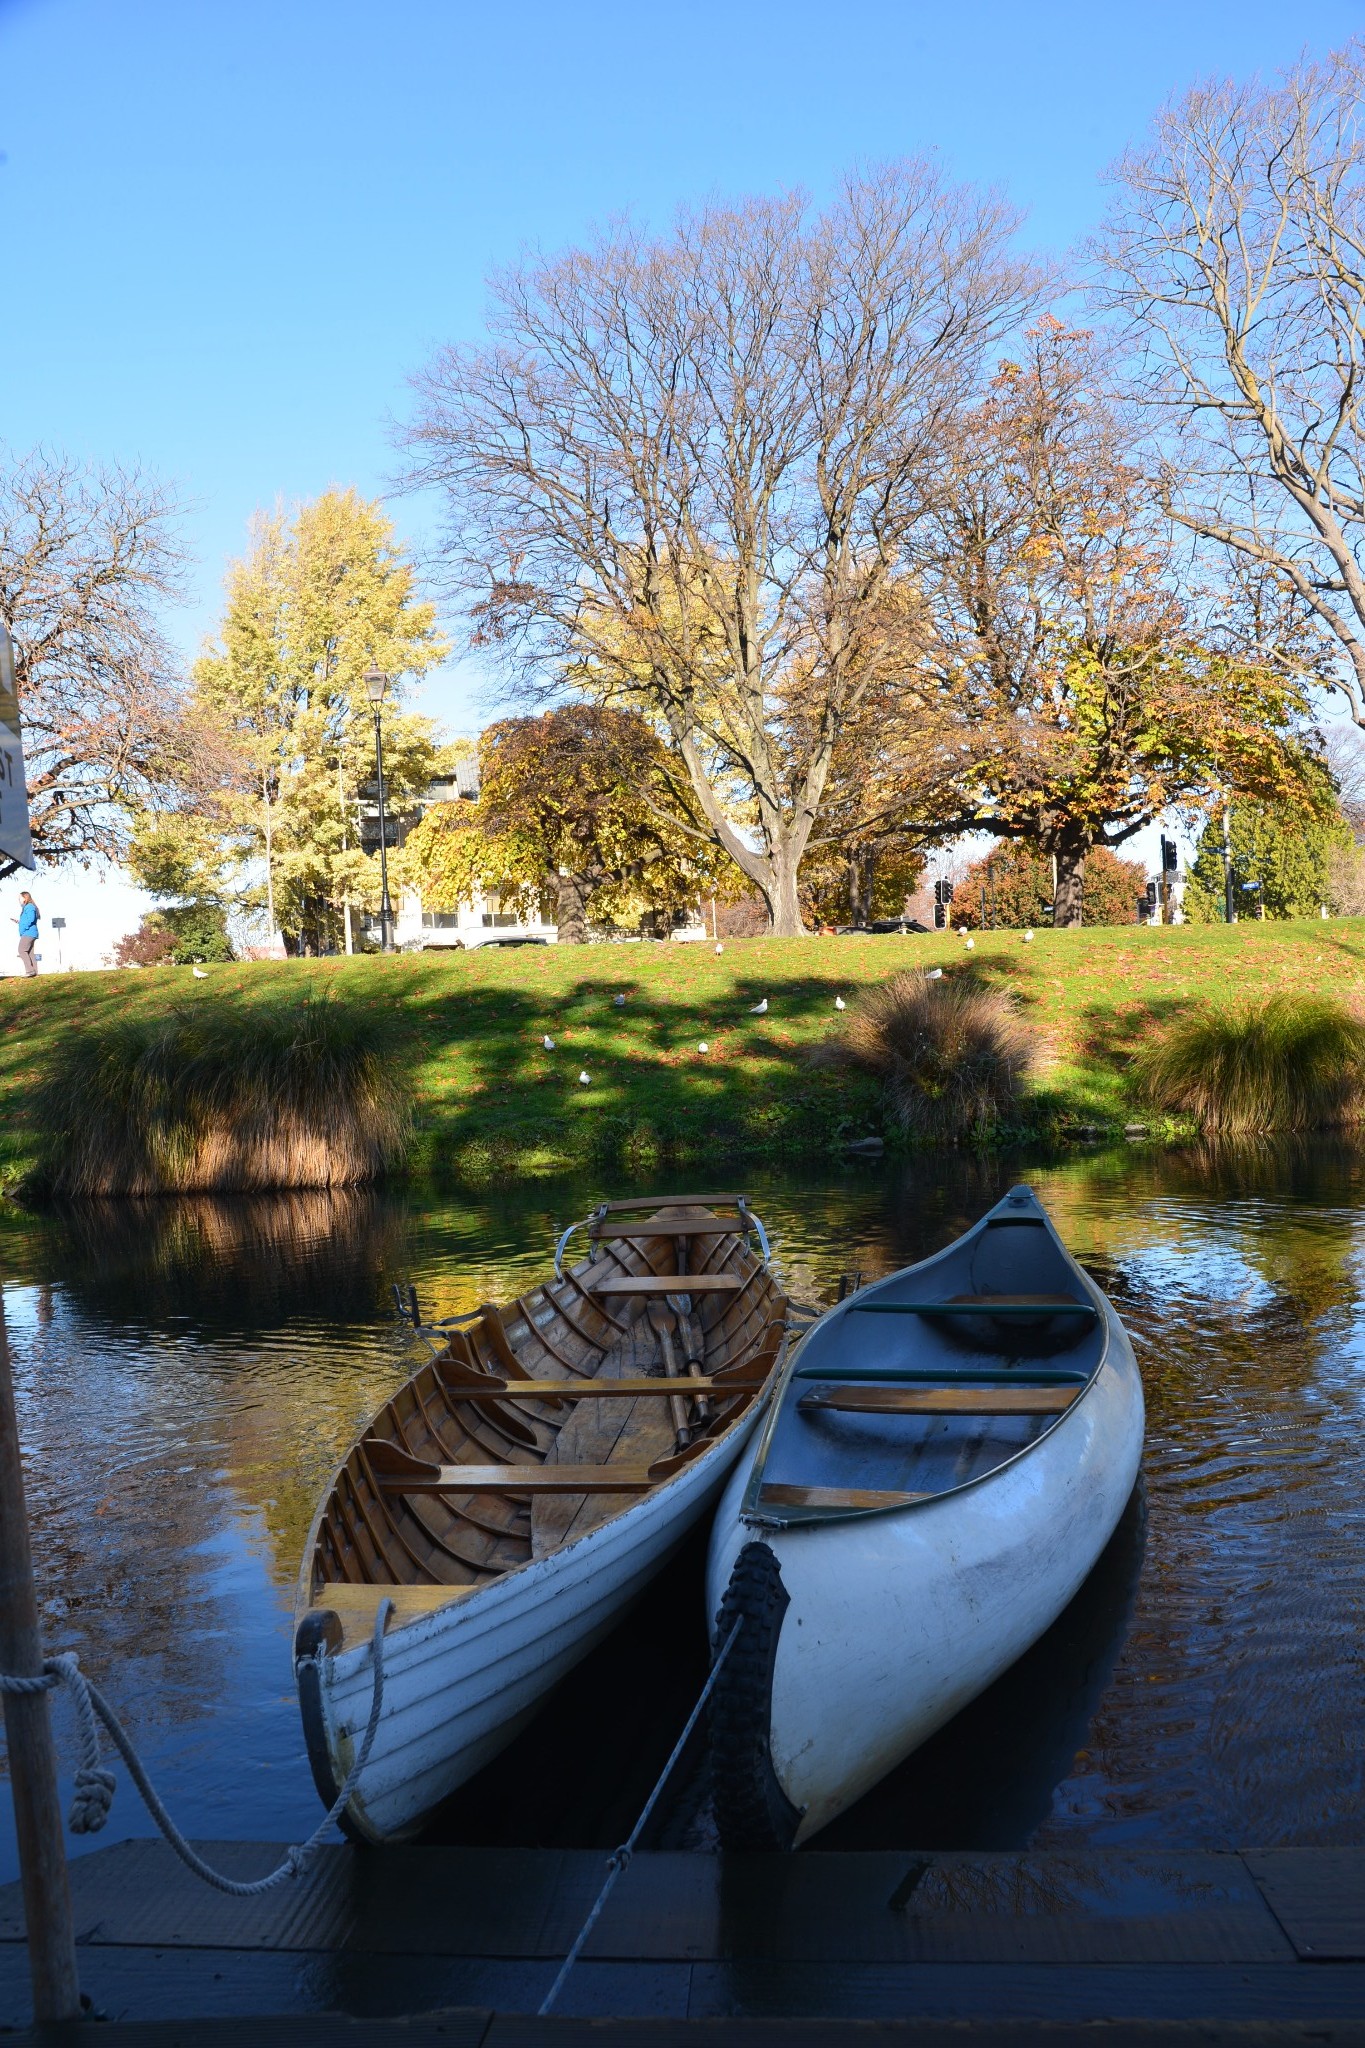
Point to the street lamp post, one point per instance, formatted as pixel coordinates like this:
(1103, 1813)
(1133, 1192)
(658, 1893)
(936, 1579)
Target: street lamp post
(376, 682)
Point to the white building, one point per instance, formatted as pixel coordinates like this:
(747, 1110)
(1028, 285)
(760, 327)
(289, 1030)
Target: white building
(482, 922)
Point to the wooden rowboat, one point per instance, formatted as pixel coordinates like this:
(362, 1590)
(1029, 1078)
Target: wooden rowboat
(520, 1491)
(946, 1456)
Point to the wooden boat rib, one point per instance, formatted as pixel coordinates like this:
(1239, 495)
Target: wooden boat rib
(946, 1456)
(520, 1490)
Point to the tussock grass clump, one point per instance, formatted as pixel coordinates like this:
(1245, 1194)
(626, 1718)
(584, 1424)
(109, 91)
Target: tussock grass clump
(952, 1057)
(1283, 1063)
(217, 1100)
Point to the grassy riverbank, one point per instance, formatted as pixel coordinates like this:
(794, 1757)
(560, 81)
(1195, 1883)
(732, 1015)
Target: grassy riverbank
(465, 1031)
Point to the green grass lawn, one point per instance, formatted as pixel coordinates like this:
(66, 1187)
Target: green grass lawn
(466, 1029)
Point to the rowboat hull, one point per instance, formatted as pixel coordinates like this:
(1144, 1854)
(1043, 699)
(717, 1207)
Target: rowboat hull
(508, 1502)
(868, 1633)
(459, 1684)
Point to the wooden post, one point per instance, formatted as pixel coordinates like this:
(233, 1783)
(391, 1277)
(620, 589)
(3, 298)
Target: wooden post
(28, 1734)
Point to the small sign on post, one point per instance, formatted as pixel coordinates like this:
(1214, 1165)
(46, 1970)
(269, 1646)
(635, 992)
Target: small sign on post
(15, 839)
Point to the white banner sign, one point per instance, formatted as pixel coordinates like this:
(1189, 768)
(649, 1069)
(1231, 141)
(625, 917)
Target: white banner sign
(15, 842)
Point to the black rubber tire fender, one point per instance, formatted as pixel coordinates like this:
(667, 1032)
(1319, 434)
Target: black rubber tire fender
(752, 1811)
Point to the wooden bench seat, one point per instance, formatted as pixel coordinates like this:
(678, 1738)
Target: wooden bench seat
(594, 1390)
(775, 1495)
(664, 1283)
(415, 1477)
(886, 1400)
(355, 1606)
(676, 1226)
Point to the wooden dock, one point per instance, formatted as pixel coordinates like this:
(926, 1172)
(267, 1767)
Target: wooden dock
(418, 1946)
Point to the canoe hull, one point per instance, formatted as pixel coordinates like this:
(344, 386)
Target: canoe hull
(461, 1682)
(894, 1621)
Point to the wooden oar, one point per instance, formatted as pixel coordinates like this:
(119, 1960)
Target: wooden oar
(661, 1322)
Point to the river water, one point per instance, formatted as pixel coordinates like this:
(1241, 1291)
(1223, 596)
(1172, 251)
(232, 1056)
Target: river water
(188, 1374)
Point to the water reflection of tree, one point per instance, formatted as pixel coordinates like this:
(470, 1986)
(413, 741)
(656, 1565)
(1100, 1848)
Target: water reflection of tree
(231, 1263)
(192, 1373)
(1280, 1208)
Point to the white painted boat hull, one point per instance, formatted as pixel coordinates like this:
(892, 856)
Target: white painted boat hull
(898, 1619)
(460, 1683)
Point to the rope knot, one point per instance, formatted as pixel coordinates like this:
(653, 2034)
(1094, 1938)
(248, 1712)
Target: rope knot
(94, 1795)
(21, 1686)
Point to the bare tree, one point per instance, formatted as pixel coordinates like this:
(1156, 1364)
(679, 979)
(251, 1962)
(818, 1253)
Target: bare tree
(683, 472)
(1236, 244)
(87, 560)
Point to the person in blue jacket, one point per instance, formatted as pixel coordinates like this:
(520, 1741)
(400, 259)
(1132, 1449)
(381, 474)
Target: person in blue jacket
(27, 922)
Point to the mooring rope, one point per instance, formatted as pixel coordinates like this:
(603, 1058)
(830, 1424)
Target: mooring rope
(619, 1858)
(94, 1792)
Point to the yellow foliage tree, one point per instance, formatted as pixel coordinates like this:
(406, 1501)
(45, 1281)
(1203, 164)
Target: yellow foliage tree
(320, 598)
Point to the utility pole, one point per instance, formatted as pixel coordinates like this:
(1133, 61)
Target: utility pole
(28, 1723)
(376, 682)
(1229, 907)
(28, 1735)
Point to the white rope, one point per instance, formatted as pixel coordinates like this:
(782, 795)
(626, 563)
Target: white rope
(619, 1858)
(94, 1793)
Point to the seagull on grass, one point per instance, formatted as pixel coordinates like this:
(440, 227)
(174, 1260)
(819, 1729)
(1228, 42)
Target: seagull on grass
(1028, 938)
(199, 973)
(620, 1002)
(548, 1043)
(585, 1079)
(971, 946)
(720, 949)
(702, 1045)
(839, 1003)
(934, 974)
(759, 1009)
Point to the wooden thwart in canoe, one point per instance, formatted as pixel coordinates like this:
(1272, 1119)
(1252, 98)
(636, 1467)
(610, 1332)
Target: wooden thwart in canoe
(943, 1400)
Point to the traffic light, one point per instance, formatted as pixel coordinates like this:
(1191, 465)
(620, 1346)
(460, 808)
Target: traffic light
(1170, 859)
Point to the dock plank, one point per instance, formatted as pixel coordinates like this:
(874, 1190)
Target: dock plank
(458, 2030)
(1318, 1897)
(998, 1992)
(398, 1901)
(870, 1907)
(849, 1908)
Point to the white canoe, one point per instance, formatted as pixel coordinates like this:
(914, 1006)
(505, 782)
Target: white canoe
(510, 1525)
(947, 1455)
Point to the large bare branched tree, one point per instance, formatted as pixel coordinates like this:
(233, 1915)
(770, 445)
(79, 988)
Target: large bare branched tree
(683, 471)
(1236, 245)
(88, 560)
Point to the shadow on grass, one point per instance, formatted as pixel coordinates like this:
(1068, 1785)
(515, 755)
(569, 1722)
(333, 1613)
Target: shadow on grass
(491, 1096)
(1108, 1039)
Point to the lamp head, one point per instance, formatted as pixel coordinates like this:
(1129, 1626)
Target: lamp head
(376, 682)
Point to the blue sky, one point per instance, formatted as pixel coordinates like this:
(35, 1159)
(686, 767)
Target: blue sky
(231, 231)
